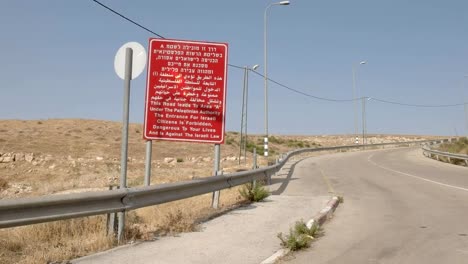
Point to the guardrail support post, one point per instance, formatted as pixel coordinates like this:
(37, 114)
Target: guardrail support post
(111, 219)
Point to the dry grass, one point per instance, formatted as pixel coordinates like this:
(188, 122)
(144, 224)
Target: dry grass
(3, 184)
(43, 243)
(459, 147)
(79, 155)
(65, 240)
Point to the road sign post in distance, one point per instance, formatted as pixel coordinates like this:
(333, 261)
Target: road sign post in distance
(186, 91)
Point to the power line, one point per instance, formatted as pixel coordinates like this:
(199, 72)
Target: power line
(143, 27)
(285, 86)
(126, 18)
(306, 94)
(415, 105)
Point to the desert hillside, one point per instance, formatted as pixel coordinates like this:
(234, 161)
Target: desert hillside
(61, 155)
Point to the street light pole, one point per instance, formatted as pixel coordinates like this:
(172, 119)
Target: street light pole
(245, 100)
(465, 106)
(364, 120)
(265, 71)
(355, 97)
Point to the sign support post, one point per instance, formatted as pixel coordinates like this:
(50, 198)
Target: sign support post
(149, 149)
(217, 156)
(125, 121)
(129, 62)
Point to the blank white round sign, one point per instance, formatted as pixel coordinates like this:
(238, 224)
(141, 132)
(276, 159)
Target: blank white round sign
(138, 61)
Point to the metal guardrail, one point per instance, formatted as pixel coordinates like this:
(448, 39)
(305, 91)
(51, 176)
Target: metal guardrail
(432, 153)
(25, 211)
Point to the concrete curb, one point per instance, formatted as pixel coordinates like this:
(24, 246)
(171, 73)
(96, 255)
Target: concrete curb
(322, 216)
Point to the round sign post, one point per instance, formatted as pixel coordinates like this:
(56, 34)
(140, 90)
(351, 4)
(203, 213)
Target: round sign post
(129, 63)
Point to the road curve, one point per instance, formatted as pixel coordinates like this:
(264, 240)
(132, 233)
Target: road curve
(399, 207)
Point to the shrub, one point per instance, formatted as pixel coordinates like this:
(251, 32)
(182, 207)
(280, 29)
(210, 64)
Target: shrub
(340, 199)
(177, 222)
(300, 236)
(250, 146)
(254, 193)
(276, 140)
(259, 146)
(293, 143)
(460, 146)
(180, 160)
(230, 141)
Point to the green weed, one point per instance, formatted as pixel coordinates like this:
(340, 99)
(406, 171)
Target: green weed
(254, 193)
(300, 236)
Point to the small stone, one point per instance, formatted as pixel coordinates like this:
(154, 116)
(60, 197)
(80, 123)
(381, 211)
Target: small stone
(29, 157)
(7, 159)
(169, 160)
(51, 167)
(196, 160)
(232, 158)
(99, 158)
(18, 156)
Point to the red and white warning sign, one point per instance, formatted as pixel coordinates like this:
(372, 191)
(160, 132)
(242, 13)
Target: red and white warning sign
(186, 91)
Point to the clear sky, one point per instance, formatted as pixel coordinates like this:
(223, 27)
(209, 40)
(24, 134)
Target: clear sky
(57, 60)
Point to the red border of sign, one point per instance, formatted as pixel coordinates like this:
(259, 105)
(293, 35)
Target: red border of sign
(146, 137)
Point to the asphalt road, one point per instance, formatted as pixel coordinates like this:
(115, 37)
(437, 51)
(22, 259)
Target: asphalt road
(399, 207)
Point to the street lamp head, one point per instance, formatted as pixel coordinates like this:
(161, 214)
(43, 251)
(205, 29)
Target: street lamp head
(255, 67)
(284, 3)
(363, 62)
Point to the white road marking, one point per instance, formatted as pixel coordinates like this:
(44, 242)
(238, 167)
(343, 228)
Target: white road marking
(416, 177)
